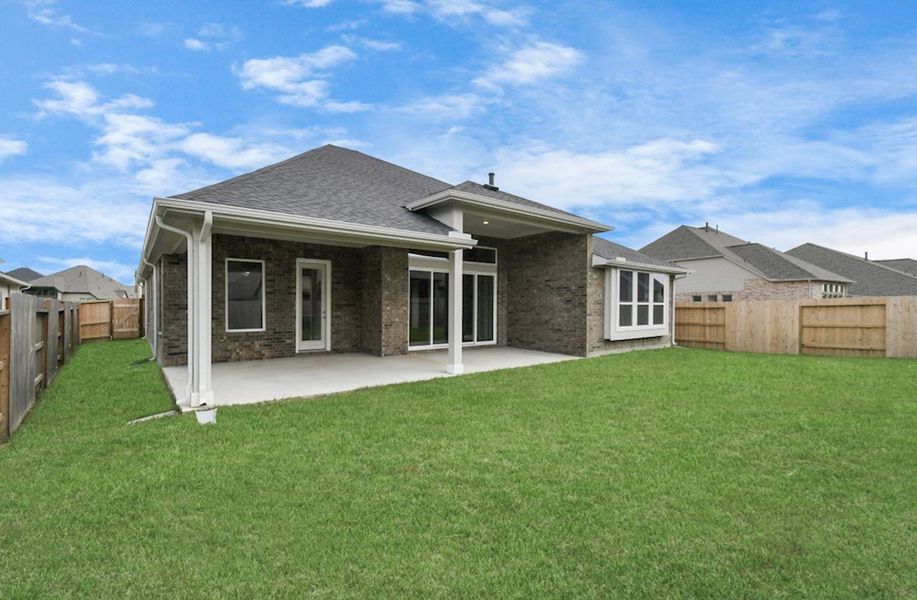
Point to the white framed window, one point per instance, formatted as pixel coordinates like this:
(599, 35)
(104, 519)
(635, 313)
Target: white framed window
(833, 290)
(636, 304)
(245, 302)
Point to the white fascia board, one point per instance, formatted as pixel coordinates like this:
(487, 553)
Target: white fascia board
(600, 261)
(477, 200)
(264, 218)
(12, 280)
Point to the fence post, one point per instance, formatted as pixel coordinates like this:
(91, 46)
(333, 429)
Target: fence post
(5, 375)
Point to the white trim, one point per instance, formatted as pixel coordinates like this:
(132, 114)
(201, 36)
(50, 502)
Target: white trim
(226, 295)
(480, 201)
(244, 217)
(623, 263)
(324, 344)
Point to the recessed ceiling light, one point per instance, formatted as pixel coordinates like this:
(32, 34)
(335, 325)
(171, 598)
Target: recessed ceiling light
(486, 222)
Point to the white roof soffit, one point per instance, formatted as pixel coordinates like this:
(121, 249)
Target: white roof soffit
(262, 223)
(601, 261)
(510, 209)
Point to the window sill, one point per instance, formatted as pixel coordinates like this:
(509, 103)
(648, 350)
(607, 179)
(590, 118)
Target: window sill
(633, 334)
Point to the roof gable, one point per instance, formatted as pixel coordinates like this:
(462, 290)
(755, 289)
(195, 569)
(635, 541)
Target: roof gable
(24, 274)
(83, 280)
(611, 251)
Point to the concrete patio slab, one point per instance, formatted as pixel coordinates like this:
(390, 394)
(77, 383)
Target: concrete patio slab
(307, 375)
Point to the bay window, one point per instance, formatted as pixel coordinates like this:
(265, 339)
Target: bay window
(635, 304)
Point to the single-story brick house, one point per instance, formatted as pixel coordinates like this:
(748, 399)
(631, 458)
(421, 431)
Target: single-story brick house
(336, 251)
(726, 268)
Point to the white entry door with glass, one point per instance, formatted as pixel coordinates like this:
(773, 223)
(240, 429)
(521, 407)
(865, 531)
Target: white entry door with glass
(428, 302)
(313, 305)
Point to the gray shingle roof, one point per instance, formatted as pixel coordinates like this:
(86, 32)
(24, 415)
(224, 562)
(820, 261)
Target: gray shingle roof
(907, 265)
(611, 251)
(870, 278)
(332, 183)
(686, 243)
(477, 188)
(24, 274)
(343, 185)
(83, 279)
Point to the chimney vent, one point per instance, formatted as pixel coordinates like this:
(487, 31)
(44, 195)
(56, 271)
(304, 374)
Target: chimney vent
(490, 182)
(707, 226)
(866, 255)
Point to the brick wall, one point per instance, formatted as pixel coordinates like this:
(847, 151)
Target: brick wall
(376, 322)
(762, 289)
(173, 312)
(547, 292)
(394, 293)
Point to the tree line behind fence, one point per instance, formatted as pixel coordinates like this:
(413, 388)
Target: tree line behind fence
(880, 326)
(38, 335)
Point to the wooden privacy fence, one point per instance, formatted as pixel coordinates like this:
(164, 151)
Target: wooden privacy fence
(37, 336)
(884, 326)
(111, 319)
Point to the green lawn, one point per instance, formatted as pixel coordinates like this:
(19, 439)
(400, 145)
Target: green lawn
(658, 474)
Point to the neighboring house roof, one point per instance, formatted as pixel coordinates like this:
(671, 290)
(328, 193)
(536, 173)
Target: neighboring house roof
(907, 265)
(689, 243)
(11, 280)
(615, 252)
(344, 185)
(84, 280)
(24, 274)
(870, 278)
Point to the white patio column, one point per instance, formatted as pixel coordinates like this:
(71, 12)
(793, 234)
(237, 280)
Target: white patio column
(201, 392)
(455, 364)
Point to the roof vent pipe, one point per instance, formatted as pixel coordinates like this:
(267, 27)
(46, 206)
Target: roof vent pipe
(866, 255)
(707, 226)
(490, 182)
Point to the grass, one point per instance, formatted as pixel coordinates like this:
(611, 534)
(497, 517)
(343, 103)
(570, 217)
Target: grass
(672, 473)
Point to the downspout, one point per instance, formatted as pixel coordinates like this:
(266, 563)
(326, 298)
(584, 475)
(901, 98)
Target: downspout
(154, 308)
(190, 241)
(675, 278)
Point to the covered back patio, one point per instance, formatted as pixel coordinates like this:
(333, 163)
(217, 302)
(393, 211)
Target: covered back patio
(306, 375)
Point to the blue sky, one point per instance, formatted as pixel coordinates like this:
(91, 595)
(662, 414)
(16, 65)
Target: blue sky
(782, 123)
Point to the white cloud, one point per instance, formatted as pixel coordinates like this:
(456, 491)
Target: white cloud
(195, 44)
(307, 3)
(299, 79)
(664, 170)
(231, 153)
(81, 99)
(11, 147)
(403, 7)
(534, 63)
(458, 11)
(446, 106)
(369, 44)
(44, 12)
(214, 36)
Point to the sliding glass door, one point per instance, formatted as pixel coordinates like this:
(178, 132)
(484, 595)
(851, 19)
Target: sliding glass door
(428, 308)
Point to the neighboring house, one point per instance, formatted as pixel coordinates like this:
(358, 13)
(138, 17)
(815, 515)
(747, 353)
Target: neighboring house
(871, 278)
(8, 285)
(336, 251)
(79, 284)
(725, 268)
(24, 274)
(906, 265)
